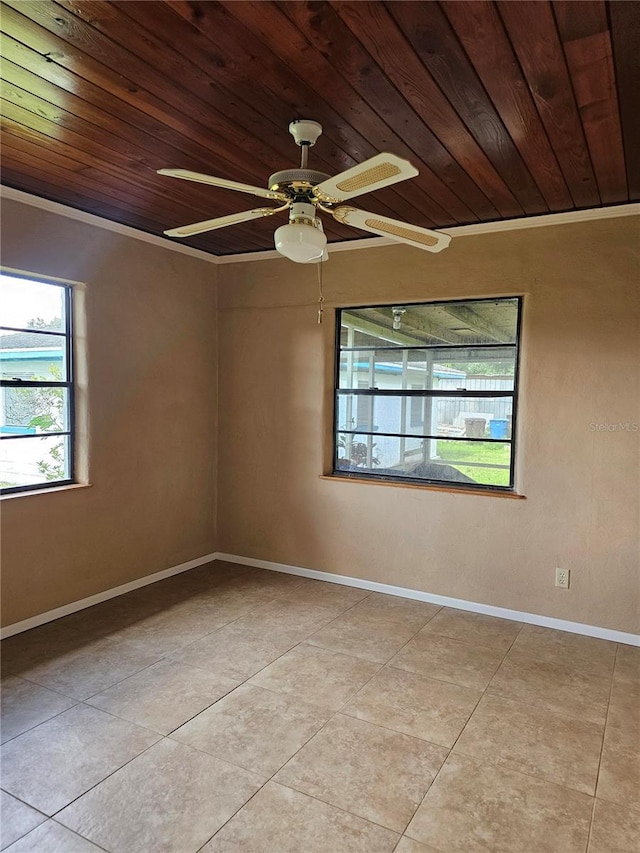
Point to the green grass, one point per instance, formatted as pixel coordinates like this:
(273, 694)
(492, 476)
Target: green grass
(472, 451)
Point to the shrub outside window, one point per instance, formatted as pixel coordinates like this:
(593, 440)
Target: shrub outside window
(427, 392)
(36, 384)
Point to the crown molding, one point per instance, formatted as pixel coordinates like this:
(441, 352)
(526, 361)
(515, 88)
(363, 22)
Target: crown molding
(611, 212)
(100, 222)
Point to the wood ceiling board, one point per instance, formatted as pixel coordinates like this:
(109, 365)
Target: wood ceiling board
(434, 42)
(445, 181)
(582, 25)
(374, 26)
(165, 36)
(482, 35)
(87, 52)
(281, 35)
(178, 143)
(156, 155)
(625, 32)
(531, 27)
(127, 171)
(267, 32)
(506, 109)
(333, 229)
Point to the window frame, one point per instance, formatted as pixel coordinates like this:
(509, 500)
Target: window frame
(372, 476)
(69, 384)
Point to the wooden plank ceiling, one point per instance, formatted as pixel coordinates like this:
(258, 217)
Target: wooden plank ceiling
(508, 109)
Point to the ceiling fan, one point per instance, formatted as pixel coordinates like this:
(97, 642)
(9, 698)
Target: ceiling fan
(304, 192)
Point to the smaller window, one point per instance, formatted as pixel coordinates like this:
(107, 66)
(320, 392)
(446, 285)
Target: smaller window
(36, 384)
(428, 392)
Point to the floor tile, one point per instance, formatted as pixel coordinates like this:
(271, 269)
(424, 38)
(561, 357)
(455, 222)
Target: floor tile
(163, 696)
(105, 619)
(408, 845)
(558, 688)
(586, 654)
(614, 829)
(286, 821)
(473, 807)
(253, 728)
(177, 626)
(90, 668)
(474, 628)
(172, 798)
(299, 616)
(327, 594)
(414, 704)
(535, 741)
(276, 582)
(619, 778)
(24, 651)
(170, 658)
(363, 638)
(50, 837)
(239, 651)
(628, 663)
(449, 660)
(25, 705)
(371, 772)
(317, 676)
(16, 819)
(380, 607)
(51, 765)
(623, 717)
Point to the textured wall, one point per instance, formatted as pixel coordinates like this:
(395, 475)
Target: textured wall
(151, 336)
(580, 366)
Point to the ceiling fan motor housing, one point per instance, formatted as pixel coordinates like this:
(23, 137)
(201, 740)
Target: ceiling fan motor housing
(302, 213)
(297, 183)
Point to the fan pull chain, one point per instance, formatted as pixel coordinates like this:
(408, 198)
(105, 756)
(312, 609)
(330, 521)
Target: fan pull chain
(320, 293)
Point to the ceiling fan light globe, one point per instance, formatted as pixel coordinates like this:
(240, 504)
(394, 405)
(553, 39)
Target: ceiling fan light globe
(300, 243)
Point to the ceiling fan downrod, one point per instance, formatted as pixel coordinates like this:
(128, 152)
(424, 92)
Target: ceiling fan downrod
(305, 133)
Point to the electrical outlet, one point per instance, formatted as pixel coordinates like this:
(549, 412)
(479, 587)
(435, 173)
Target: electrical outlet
(562, 578)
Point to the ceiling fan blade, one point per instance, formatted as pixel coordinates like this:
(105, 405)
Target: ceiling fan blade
(186, 175)
(375, 173)
(221, 222)
(395, 229)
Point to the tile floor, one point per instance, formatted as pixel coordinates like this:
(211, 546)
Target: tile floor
(235, 710)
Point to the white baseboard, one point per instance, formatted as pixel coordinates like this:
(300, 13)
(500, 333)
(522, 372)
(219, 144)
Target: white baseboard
(360, 583)
(82, 603)
(445, 601)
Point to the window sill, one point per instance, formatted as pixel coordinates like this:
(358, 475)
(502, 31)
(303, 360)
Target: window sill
(429, 487)
(51, 490)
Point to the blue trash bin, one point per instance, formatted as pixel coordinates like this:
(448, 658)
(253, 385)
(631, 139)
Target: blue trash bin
(498, 428)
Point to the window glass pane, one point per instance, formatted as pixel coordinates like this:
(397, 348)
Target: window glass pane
(449, 461)
(461, 323)
(29, 411)
(31, 304)
(470, 417)
(473, 369)
(28, 355)
(34, 461)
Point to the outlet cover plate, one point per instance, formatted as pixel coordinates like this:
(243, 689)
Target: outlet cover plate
(562, 578)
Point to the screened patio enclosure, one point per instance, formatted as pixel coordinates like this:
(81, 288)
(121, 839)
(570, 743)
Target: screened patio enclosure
(428, 391)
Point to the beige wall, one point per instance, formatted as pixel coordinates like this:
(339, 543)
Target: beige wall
(151, 329)
(580, 366)
(151, 332)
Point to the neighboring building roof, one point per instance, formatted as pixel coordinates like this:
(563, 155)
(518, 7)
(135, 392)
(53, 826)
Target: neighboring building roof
(23, 340)
(29, 346)
(438, 370)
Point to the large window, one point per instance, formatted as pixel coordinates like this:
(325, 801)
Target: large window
(36, 384)
(428, 392)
